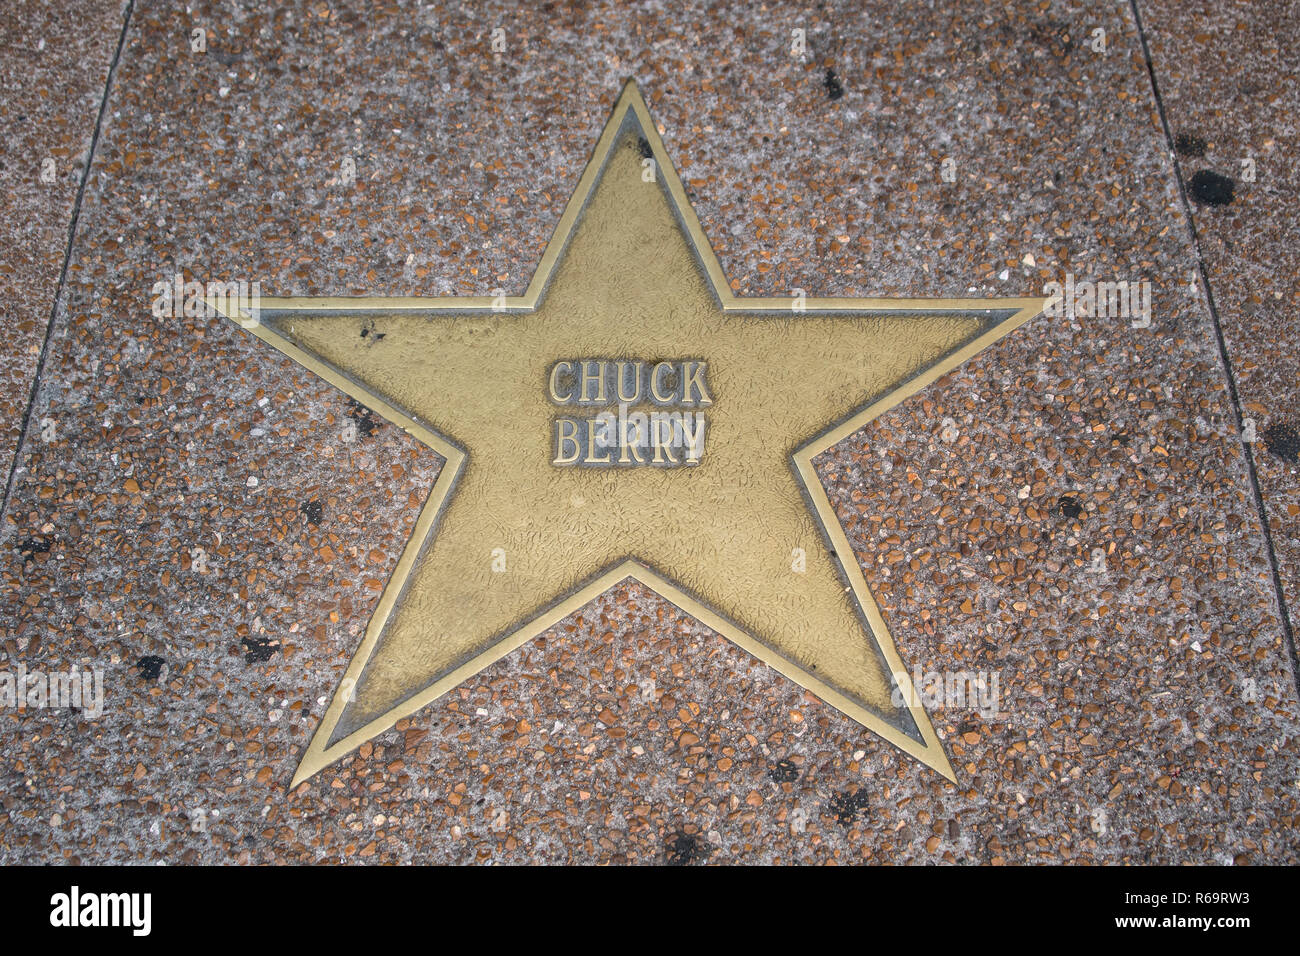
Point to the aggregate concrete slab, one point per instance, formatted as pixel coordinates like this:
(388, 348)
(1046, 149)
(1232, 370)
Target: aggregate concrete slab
(1071, 513)
(54, 61)
(1229, 79)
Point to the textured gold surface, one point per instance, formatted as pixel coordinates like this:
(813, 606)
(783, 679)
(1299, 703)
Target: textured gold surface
(507, 543)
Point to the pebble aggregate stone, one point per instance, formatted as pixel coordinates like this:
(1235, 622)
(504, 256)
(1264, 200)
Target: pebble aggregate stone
(54, 59)
(1230, 84)
(1071, 512)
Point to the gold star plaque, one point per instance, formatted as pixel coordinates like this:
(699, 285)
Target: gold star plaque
(628, 417)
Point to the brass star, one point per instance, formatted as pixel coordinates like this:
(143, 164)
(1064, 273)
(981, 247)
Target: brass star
(534, 513)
